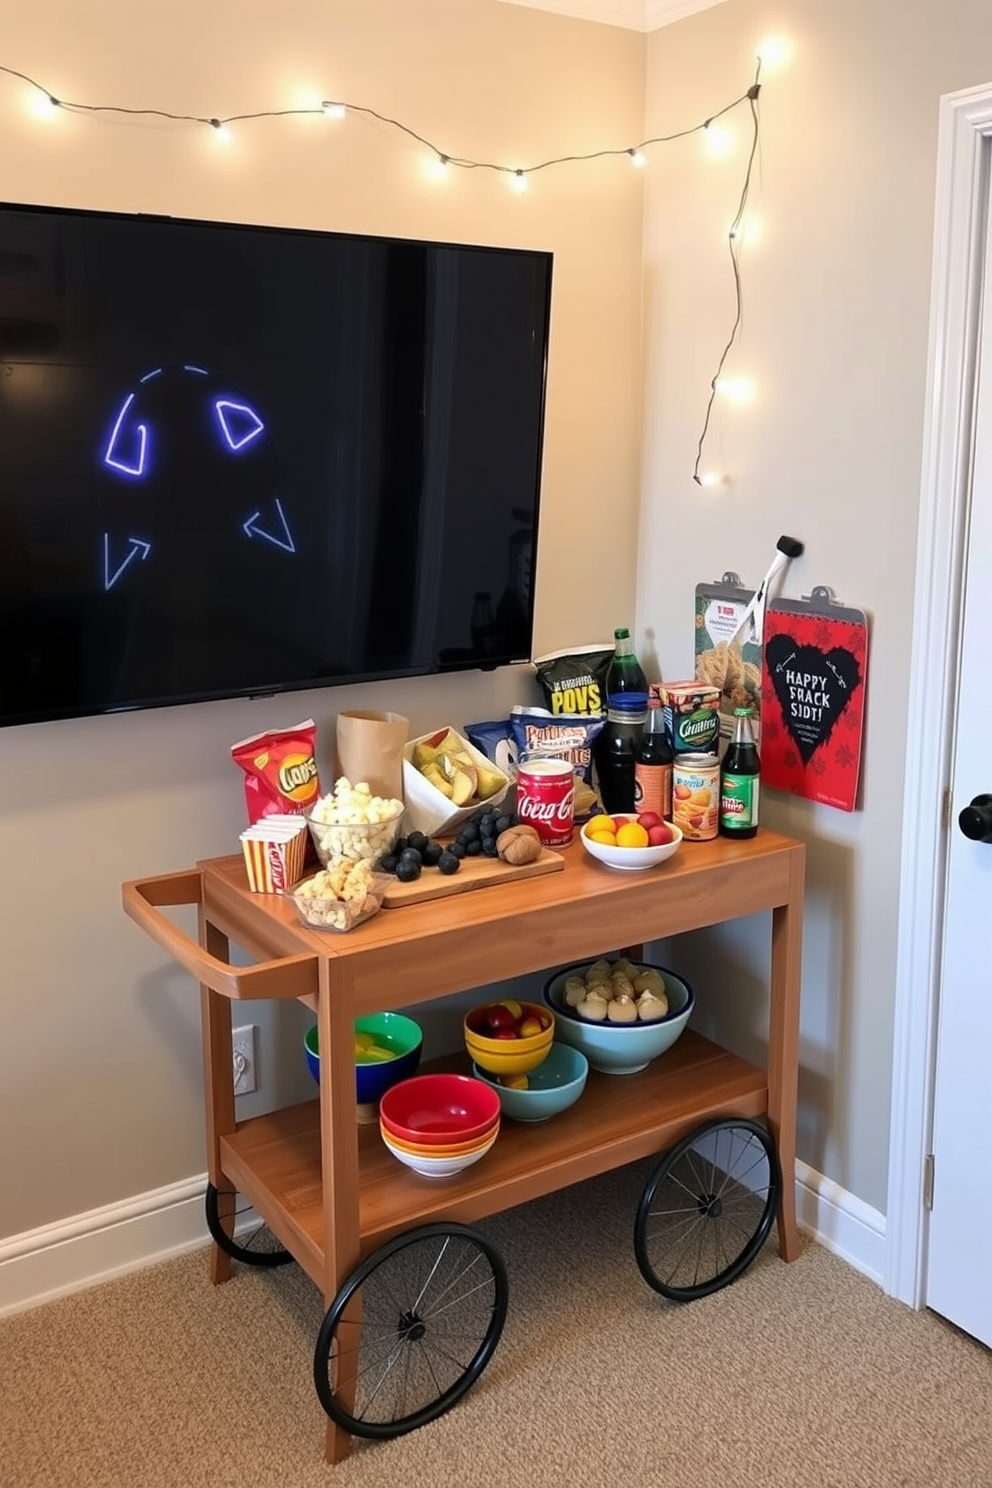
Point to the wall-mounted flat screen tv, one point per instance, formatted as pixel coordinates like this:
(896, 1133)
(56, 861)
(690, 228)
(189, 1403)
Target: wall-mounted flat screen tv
(238, 460)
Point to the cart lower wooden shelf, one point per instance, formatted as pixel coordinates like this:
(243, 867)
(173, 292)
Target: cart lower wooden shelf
(275, 1160)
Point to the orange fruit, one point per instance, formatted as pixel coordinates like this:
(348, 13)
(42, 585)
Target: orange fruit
(608, 838)
(600, 823)
(632, 834)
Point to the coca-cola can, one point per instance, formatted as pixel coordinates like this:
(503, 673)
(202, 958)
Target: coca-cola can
(546, 797)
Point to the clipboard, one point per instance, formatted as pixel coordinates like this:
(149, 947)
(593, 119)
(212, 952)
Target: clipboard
(724, 657)
(812, 698)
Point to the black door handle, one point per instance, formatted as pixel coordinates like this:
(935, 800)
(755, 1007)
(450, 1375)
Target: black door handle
(975, 820)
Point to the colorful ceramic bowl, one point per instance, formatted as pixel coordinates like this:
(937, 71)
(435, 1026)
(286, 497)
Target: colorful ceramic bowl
(555, 1085)
(620, 1048)
(632, 859)
(394, 1033)
(438, 1108)
(513, 1054)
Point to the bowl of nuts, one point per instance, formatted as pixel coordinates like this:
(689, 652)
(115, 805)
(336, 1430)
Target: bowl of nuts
(351, 825)
(621, 1014)
(341, 897)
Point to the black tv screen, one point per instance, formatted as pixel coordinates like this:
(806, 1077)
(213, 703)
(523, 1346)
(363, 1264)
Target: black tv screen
(239, 460)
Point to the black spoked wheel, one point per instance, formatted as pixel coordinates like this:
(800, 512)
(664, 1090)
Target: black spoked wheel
(258, 1248)
(411, 1330)
(707, 1209)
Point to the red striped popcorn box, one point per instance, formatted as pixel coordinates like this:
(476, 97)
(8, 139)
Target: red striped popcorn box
(274, 855)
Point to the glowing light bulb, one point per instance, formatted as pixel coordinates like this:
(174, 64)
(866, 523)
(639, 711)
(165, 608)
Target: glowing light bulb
(735, 389)
(749, 232)
(719, 140)
(437, 168)
(333, 110)
(519, 182)
(713, 478)
(42, 105)
(774, 53)
(636, 158)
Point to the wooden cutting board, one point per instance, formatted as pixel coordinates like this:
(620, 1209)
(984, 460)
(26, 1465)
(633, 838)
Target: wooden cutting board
(474, 873)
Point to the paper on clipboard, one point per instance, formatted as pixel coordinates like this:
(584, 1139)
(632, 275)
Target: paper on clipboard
(724, 656)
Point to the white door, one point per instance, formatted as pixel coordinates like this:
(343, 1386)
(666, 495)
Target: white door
(959, 1265)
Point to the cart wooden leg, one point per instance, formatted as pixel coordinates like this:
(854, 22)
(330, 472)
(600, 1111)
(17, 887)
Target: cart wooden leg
(783, 1048)
(339, 1159)
(218, 1088)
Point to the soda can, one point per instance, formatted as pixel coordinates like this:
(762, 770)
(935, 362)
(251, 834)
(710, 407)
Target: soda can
(696, 795)
(546, 797)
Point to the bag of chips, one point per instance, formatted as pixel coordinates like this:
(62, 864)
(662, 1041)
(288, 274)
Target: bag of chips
(574, 680)
(280, 771)
(563, 736)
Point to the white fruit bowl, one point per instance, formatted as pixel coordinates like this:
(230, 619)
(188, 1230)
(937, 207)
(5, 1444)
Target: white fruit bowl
(632, 859)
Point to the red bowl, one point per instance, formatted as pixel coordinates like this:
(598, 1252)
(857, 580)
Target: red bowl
(439, 1108)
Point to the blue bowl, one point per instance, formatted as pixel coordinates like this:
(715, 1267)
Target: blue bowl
(620, 1048)
(555, 1085)
(392, 1031)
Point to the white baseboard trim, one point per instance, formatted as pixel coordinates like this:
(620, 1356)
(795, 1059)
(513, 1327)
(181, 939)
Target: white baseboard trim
(71, 1255)
(841, 1223)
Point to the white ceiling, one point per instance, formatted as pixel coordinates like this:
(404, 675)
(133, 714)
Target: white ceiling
(636, 15)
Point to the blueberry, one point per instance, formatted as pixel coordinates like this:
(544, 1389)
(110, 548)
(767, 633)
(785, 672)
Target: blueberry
(503, 824)
(411, 855)
(389, 863)
(457, 849)
(418, 840)
(448, 862)
(408, 870)
(474, 848)
(432, 854)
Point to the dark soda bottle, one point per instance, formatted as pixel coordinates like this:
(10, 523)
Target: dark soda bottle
(739, 780)
(653, 767)
(625, 676)
(615, 757)
(615, 748)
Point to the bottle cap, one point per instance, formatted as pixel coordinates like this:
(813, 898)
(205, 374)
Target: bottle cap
(743, 712)
(622, 634)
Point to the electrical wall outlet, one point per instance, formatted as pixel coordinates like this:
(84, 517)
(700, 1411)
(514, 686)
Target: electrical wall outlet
(245, 1062)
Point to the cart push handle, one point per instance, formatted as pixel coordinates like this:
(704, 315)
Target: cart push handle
(291, 976)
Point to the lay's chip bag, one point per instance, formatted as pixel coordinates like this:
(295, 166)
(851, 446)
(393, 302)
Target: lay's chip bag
(280, 771)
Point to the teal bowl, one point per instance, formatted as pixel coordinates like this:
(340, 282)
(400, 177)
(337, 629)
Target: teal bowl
(620, 1048)
(555, 1085)
(393, 1031)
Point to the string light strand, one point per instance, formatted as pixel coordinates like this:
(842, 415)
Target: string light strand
(733, 241)
(517, 174)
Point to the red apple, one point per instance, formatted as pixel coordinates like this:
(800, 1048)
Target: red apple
(504, 1033)
(659, 835)
(499, 1018)
(649, 819)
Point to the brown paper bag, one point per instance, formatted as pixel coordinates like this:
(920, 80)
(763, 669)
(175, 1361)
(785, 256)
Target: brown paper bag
(370, 747)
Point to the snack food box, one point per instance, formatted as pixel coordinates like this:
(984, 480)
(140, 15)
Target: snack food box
(691, 711)
(275, 850)
(428, 810)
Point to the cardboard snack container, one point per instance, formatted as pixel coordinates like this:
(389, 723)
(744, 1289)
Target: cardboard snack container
(428, 809)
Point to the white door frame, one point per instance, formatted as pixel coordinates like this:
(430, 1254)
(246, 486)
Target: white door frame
(963, 156)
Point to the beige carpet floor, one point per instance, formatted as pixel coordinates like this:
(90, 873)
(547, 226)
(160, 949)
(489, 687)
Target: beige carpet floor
(797, 1376)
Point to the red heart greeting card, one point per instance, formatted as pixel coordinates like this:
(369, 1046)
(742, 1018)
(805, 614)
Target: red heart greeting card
(812, 699)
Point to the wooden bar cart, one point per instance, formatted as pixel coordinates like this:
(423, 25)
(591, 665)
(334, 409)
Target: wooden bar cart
(326, 1186)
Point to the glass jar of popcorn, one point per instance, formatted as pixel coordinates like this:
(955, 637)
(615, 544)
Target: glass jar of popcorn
(351, 825)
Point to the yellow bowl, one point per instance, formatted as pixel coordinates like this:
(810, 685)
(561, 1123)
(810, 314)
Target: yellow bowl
(510, 1056)
(450, 1149)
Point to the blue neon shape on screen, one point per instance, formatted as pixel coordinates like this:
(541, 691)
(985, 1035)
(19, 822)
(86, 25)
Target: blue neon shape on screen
(188, 367)
(251, 529)
(112, 458)
(230, 415)
(149, 375)
(138, 548)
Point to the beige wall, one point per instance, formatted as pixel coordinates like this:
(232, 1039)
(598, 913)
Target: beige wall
(99, 1075)
(100, 1091)
(835, 336)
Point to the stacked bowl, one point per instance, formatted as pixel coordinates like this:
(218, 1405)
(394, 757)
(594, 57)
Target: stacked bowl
(439, 1124)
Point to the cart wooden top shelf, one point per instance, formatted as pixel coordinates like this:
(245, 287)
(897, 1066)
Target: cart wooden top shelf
(326, 1186)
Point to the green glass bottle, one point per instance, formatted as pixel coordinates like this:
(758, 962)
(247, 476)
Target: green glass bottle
(740, 780)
